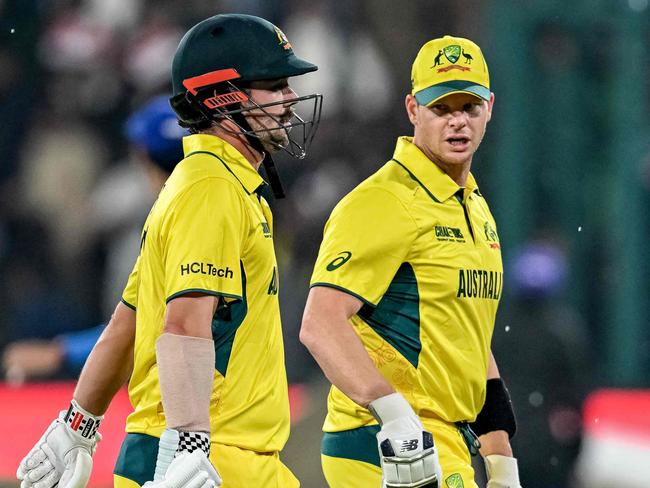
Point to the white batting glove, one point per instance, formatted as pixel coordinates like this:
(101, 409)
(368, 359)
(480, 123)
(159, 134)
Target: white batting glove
(188, 470)
(195, 471)
(63, 455)
(408, 455)
(502, 471)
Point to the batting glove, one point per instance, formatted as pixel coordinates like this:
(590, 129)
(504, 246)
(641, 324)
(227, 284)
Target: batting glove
(183, 461)
(502, 471)
(63, 455)
(408, 455)
(188, 470)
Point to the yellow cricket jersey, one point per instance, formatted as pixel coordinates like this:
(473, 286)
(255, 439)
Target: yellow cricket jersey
(211, 232)
(423, 255)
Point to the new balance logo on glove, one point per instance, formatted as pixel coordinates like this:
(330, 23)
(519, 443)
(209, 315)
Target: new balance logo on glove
(410, 445)
(405, 461)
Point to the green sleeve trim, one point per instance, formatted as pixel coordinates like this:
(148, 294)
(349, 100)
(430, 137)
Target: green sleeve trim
(340, 288)
(201, 290)
(132, 307)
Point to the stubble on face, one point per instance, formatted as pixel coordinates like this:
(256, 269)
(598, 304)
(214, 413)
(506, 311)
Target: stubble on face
(271, 123)
(270, 128)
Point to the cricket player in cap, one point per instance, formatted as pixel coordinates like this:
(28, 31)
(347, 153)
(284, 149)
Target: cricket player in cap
(198, 327)
(404, 295)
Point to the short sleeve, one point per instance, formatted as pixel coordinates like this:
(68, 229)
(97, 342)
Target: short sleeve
(366, 239)
(130, 293)
(202, 240)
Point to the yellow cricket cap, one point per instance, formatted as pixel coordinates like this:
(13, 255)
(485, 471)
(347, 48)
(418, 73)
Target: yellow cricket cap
(449, 65)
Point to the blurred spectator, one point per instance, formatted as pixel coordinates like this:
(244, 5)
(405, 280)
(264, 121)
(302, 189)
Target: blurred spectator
(123, 197)
(119, 207)
(541, 345)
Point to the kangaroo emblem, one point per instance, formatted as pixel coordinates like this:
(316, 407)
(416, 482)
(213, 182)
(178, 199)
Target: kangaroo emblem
(437, 60)
(468, 57)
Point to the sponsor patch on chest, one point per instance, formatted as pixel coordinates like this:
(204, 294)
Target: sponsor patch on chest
(446, 233)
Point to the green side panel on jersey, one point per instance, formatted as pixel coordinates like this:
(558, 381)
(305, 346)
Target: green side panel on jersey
(356, 444)
(137, 458)
(225, 322)
(396, 318)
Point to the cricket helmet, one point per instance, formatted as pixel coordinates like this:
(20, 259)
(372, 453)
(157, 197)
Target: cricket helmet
(213, 66)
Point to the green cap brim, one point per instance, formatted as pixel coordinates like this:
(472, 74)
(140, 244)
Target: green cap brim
(290, 66)
(435, 92)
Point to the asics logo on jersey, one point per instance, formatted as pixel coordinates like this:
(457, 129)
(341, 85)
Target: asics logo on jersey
(410, 445)
(206, 269)
(343, 257)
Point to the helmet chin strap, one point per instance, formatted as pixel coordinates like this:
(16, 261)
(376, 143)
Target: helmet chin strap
(269, 164)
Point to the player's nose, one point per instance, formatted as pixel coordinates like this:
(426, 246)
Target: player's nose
(458, 119)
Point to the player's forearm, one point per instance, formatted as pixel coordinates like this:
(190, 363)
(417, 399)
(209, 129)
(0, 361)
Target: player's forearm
(496, 442)
(185, 373)
(110, 363)
(186, 357)
(342, 357)
(493, 370)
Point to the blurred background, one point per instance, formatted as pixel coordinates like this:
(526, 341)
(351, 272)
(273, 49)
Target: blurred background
(565, 166)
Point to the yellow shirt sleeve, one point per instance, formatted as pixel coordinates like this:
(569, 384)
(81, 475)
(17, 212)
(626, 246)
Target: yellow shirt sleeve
(366, 239)
(203, 238)
(130, 293)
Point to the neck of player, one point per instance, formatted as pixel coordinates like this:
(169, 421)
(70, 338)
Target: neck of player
(233, 136)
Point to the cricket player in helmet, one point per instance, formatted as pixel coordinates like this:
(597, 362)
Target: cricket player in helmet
(214, 87)
(198, 327)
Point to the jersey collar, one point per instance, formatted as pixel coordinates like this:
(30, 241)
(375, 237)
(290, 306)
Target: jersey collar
(434, 180)
(235, 162)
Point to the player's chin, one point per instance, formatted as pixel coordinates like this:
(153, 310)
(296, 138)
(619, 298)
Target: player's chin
(275, 143)
(457, 158)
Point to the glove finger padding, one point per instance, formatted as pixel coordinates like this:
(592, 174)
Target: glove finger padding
(189, 470)
(48, 481)
(78, 467)
(194, 461)
(34, 457)
(39, 471)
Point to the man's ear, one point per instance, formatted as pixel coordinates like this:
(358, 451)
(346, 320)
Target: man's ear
(490, 105)
(411, 105)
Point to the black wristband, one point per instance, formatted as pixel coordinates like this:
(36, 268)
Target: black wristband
(497, 412)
